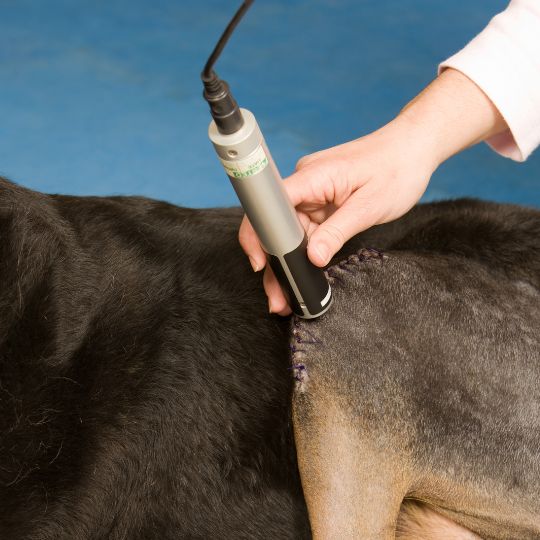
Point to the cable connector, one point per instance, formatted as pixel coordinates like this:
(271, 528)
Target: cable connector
(223, 106)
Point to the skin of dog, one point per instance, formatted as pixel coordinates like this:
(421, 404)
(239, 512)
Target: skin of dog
(146, 393)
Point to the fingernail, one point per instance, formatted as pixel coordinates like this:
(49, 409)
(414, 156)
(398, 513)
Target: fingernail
(270, 306)
(254, 264)
(323, 251)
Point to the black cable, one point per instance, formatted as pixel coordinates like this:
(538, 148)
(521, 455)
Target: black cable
(223, 106)
(207, 71)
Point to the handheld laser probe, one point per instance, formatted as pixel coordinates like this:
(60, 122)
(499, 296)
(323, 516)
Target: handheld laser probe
(241, 148)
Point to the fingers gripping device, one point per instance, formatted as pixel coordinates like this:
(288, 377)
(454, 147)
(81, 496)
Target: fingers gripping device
(241, 148)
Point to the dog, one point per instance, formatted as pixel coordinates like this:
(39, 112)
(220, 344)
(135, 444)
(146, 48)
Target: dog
(146, 392)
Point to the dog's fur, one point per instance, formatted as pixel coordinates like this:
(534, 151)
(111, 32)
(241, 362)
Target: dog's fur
(144, 389)
(423, 381)
(145, 392)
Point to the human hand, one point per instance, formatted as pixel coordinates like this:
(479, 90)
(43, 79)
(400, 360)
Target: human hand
(346, 189)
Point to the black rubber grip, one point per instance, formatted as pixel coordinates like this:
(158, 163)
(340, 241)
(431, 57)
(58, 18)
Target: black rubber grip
(308, 278)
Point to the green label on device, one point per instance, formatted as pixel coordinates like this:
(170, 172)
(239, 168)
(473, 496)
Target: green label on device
(249, 166)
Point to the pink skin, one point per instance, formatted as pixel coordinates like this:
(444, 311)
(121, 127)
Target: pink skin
(346, 189)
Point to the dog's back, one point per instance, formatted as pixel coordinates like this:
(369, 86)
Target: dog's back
(423, 382)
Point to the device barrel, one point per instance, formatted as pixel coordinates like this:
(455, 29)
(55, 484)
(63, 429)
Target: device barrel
(260, 189)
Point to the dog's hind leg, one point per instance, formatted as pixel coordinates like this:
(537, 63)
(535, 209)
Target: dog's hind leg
(418, 521)
(353, 488)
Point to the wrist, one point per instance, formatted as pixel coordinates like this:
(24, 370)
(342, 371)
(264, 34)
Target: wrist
(451, 114)
(413, 143)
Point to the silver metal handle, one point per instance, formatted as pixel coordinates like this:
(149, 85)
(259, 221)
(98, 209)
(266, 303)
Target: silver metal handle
(258, 184)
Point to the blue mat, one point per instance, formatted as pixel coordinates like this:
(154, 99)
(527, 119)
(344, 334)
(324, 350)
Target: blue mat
(105, 97)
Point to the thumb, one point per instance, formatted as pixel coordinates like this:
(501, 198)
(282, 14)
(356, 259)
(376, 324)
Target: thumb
(329, 237)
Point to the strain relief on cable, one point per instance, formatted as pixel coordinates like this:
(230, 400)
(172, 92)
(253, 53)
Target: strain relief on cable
(223, 106)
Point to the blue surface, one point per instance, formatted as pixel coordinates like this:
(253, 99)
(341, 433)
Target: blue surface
(104, 97)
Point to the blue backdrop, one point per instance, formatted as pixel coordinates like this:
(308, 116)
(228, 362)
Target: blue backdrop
(103, 97)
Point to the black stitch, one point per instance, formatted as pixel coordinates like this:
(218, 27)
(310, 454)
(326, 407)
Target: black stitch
(378, 252)
(346, 269)
(333, 275)
(311, 341)
(300, 367)
(300, 372)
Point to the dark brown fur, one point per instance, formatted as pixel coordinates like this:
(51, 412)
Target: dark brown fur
(144, 389)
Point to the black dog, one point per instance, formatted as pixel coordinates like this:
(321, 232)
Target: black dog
(145, 393)
(144, 389)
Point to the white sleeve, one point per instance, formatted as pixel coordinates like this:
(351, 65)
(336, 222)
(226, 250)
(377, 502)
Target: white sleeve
(504, 61)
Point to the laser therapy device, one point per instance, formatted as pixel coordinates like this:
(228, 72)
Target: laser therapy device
(241, 148)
